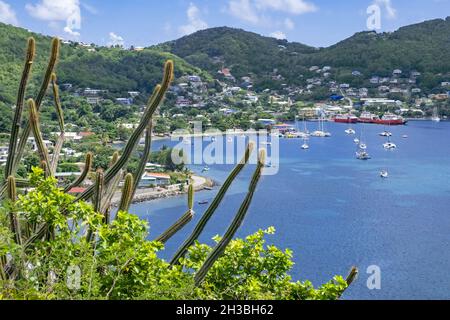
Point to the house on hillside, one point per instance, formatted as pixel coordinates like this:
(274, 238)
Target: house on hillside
(154, 178)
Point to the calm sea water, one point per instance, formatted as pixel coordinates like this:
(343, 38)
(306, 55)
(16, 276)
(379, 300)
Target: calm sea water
(335, 211)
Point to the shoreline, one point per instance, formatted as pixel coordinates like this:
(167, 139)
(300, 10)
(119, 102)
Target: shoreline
(147, 195)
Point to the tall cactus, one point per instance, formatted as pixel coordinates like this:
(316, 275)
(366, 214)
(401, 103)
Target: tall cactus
(219, 249)
(145, 156)
(127, 193)
(14, 222)
(182, 222)
(154, 102)
(31, 50)
(44, 86)
(212, 208)
(35, 127)
(87, 168)
(60, 116)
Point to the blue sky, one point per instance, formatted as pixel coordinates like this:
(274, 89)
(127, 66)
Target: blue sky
(147, 22)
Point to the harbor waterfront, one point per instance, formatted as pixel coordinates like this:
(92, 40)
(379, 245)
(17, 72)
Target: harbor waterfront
(335, 211)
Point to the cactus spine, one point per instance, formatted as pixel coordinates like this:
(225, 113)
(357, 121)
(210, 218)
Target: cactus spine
(31, 50)
(182, 222)
(127, 193)
(212, 208)
(153, 104)
(219, 249)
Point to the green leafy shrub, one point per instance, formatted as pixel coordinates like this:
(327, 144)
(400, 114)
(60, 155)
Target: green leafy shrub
(122, 264)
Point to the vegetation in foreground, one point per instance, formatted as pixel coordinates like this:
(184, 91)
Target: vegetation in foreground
(122, 264)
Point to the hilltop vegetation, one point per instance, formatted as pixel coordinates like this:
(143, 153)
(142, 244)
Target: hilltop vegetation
(423, 47)
(111, 69)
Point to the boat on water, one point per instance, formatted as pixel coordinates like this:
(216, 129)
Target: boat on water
(350, 131)
(362, 155)
(435, 117)
(321, 133)
(205, 169)
(389, 146)
(203, 202)
(386, 119)
(305, 146)
(386, 134)
(405, 136)
(391, 119)
(356, 141)
(367, 117)
(363, 146)
(384, 174)
(345, 118)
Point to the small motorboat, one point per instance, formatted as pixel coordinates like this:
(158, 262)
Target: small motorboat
(384, 174)
(205, 169)
(350, 131)
(362, 155)
(386, 134)
(356, 141)
(363, 146)
(203, 202)
(405, 136)
(389, 146)
(305, 146)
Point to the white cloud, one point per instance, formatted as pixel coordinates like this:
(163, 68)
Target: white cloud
(289, 24)
(289, 6)
(391, 11)
(115, 40)
(195, 21)
(278, 35)
(253, 10)
(60, 10)
(243, 10)
(7, 15)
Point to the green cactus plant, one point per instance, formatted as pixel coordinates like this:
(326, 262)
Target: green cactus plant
(35, 127)
(14, 222)
(87, 168)
(31, 50)
(183, 221)
(219, 249)
(40, 97)
(213, 207)
(154, 102)
(144, 158)
(59, 113)
(127, 193)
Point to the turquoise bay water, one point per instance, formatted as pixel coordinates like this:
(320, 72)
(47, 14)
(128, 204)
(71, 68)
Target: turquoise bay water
(335, 211)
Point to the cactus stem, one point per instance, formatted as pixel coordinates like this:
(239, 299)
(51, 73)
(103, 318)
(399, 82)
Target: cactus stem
(212, 208)
(219, 249)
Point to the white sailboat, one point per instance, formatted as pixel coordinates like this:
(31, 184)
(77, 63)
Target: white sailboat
(321, 133)
(361, 153)
(435, 116)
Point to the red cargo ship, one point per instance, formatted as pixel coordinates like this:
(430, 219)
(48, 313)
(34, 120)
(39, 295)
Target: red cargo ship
(391, 119)
(387, 119)
(345, 118)
(367, 117)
